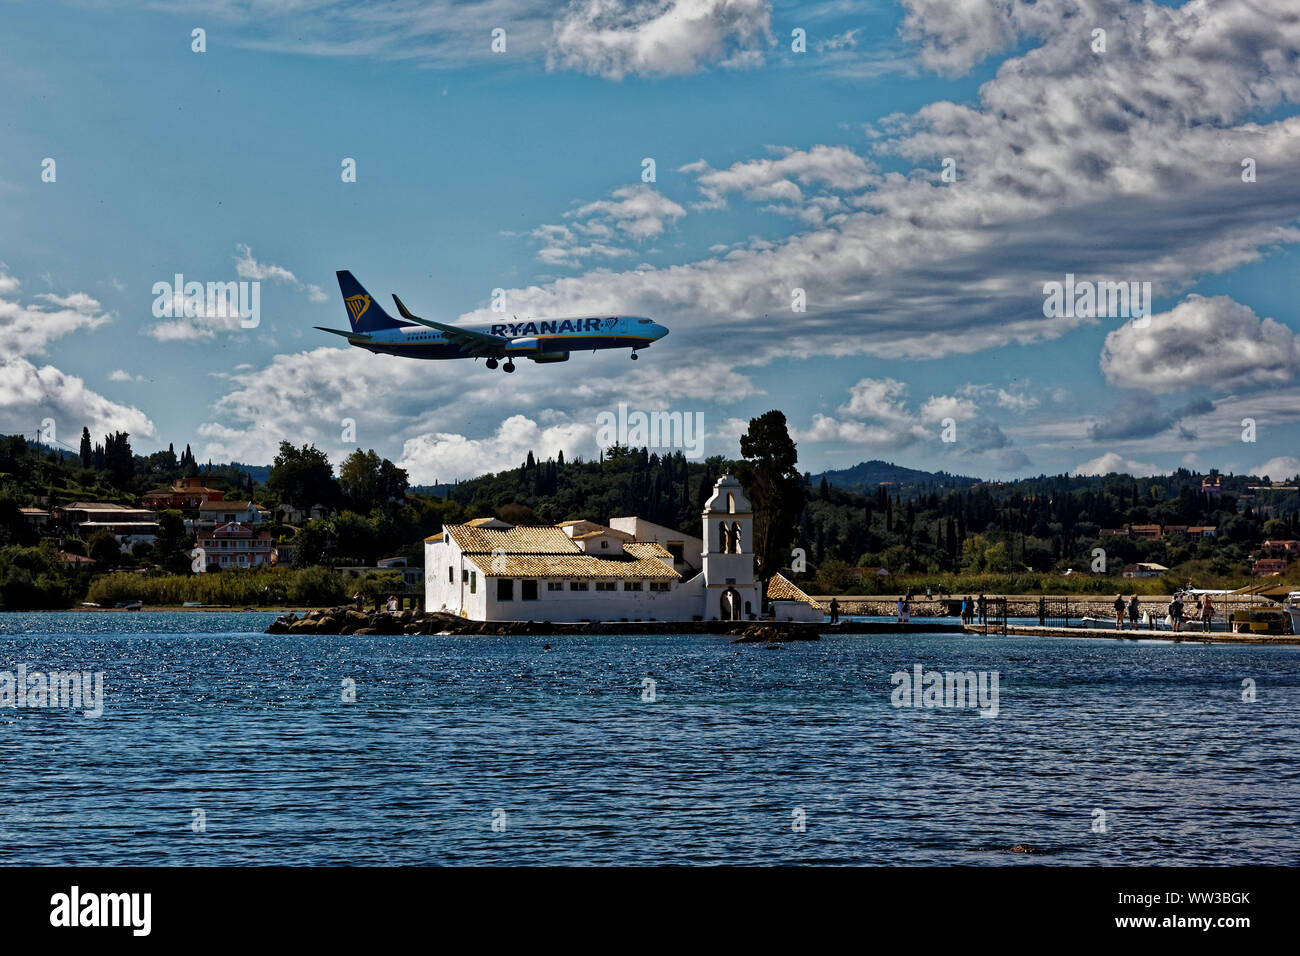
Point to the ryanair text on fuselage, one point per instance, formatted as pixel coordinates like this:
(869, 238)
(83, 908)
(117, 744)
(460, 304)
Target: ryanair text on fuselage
(541, 340)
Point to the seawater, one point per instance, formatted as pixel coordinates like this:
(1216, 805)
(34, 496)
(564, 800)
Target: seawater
(562, 750)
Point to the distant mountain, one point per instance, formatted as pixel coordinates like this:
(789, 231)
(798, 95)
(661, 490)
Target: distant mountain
(437, 491)
(259, 473)
(867, 476)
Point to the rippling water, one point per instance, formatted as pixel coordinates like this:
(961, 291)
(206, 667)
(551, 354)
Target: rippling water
(202, 711)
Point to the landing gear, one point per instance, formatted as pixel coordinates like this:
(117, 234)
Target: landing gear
(491, 363)
(635, 356)
(509, 366)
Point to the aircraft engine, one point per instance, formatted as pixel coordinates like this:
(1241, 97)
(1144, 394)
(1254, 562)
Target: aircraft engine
(531, 348)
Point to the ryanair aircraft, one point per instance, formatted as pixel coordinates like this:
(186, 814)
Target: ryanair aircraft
(542, 340)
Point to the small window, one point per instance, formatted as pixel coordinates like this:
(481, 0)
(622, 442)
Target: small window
(464, 575)
(631, 585)
(555, 585)
(451, 574)
(528, 590)
(604, 544)
(577, 585)
(505, 589)
(606, 585)
(473, 582)
(659, 585)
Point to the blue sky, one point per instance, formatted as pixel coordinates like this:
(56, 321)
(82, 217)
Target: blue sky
(775, 170)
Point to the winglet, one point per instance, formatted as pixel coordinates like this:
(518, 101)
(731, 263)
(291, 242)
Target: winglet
(402, 310)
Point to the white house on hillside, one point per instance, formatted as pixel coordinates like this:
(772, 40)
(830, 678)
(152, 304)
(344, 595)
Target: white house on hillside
(633, 569)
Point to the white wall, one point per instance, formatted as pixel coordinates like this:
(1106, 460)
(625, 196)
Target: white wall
(681, 603)
(797, 611)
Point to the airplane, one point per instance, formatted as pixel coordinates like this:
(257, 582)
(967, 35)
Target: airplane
(542, 340)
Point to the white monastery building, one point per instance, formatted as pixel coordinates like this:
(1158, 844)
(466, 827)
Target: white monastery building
(630, 570)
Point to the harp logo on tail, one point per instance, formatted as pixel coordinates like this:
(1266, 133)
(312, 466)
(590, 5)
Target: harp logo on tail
(357, 305)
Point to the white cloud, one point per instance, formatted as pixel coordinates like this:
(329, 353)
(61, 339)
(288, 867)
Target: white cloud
(939, 407)
(876, 418)
(1279, 469)
(825, 429)
(878, 398)
(613, 38)
(1112, 166)
(29, 328)
(122, 375)
(1114, 462)
(840, 41)
(1203, 343)
(307, 394)
(444, 456)
(249, 268)
(1017, 401)
(634, 213)
(765, 180)
(221, 314)
(639, 212)
(201, 324)
(29, 393)
(955, 36)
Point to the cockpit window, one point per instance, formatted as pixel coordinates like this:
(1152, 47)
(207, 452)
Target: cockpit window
(643, 321)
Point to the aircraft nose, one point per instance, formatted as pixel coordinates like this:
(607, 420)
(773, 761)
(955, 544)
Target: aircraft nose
(660, 331)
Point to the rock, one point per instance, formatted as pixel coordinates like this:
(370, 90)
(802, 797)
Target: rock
(329, 625)
(305, 626)
(282, 624)
(356, 618)
(771, 633)
(365, 630)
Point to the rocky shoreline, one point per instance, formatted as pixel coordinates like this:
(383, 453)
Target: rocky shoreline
(350, 620)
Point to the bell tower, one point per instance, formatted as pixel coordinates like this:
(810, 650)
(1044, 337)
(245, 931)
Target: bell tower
(730, 591)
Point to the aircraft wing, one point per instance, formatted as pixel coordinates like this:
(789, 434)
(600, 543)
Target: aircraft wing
(350, 336)
(470, 342)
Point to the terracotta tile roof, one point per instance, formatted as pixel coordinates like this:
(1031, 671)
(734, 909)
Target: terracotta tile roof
(610, 532)
(98, 506)
(780, 588)
(547, 539)
(547, 552)
(649, 549)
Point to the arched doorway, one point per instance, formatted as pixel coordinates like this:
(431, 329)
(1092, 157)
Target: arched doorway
(729, 609)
